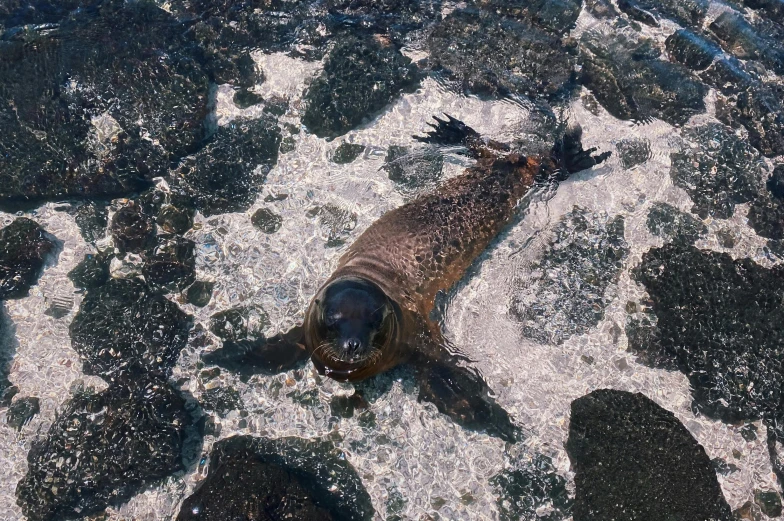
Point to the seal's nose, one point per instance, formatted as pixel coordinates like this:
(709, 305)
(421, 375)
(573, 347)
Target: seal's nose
(352, 345)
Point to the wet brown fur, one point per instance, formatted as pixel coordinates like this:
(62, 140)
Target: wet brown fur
(424, 247)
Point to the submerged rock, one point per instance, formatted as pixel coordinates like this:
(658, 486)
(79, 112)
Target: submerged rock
(172, 262)
(717, 169)
(240, 323)
(766, 214)
(691, 49)
(395, 18)
(102, 449)
(91, 218)
(744, 41)
(529, 488)
(634, 461)
(24, 249)
(92, 272)
(221, 400)
(361, 76)
(720, 319)
(671, 224)
(414, 170)
(633, 152)
(97, 105)
(200, 292)
(489, 54)
(260, 479)
(132, 229)
(557, 16)
(690, 13)
(567, 293)
(347, 153)
(266, 220)
(22, 411)
(632, 83)
(124, 323)
(227, 174)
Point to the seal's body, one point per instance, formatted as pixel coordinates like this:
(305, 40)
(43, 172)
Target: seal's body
(421, 248)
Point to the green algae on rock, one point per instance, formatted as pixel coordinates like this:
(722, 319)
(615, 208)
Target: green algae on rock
(634, 461)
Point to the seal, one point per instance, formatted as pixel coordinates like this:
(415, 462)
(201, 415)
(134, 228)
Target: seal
(373, 313)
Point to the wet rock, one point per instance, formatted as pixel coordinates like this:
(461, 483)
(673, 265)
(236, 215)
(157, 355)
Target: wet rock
(602, 9)
(200, 292)
(24, 250)
(266, 220)
(566, 295)
(635, 12)
(344, 406)
(240, 323)
(226, 175)
(749, 102)
(132, 229)
(97, 105)
(393, 18)
(766, 214)
(360, 78)
(673, 225)
(173, 219)
(22, 411)
(769, 502)
(632, 83)
(633, 152)
(102, 449)
(8, 345)
(720, 319)
(634, 460)
(691, 49)
(15, 13)
(172, 263)
(744, 41)
(244, 98)
(347, 153)
(773, 9)
(222, 400)
(411, 171)
(291, 478)
(526, 489)
(717, 169)
(124, 323)
(492, 55)
(92, 272)
(645, 341)
(557, 16)
(687, 12)
(91, 218)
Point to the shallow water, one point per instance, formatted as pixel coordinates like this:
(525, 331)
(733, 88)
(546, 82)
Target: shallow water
(414, 462)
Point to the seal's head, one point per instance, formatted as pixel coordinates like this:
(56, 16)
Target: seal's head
(351, 329)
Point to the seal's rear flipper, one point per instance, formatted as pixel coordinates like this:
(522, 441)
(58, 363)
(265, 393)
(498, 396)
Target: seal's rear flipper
(569, 157)
(463, 395)
(276, 354)
(453, 132)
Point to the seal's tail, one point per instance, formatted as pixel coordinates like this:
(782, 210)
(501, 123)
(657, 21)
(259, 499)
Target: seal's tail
(568, 156)
(453, 132)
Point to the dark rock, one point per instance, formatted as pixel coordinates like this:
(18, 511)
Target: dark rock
(240, 323)
(244, 98)
(526, 489)
(749, 432)
(92, 272)
(634, 460)
(747, 101)
(8, 344)
(632, 83)
(395, 19)
(132, 229)
(260, 479)
(124, 323)
(769, 502)
(744, 41)
(226, 175)
(775, 183)
(718, 170)
(557, 16)
(102, 449)
(686, 12)
(8, 394)
(602, 9)
(91, 219)
(221, 400)
(347, 153)
(691, 49)
(720, 319)
(360, 78)
(172, 219)
(492, 55)
(24, 250)
(20, 12)
(200, 292)
(584, 258)
(635, 12)
(172, 263)
(81, 103)
(724, 468)
(727, 238)
(22, 411)
(266, 220)
(766, 214)
(633, 152)
(671, 224)
(773, 9)
(344, 406)
(413, 171)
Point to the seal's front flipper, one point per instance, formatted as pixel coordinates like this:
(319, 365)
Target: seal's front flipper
(460, 393)
(273, 355)
(453, 132)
